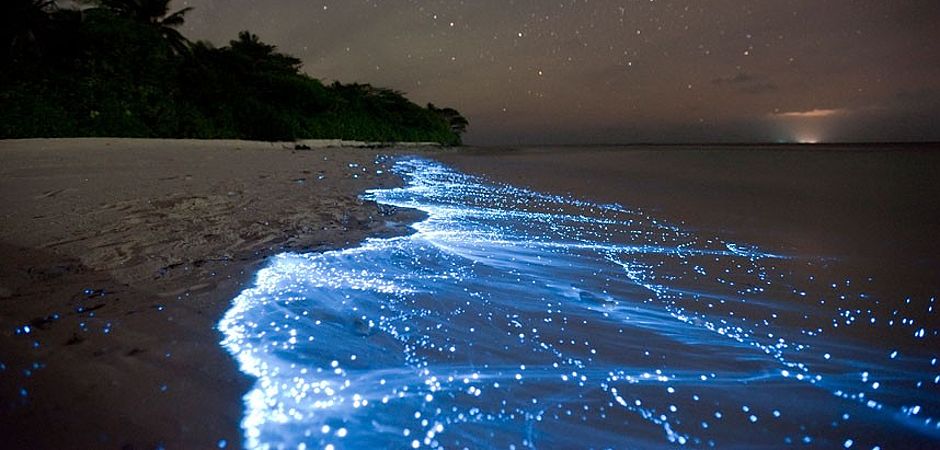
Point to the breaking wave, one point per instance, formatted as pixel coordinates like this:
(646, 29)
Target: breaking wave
(512, 318)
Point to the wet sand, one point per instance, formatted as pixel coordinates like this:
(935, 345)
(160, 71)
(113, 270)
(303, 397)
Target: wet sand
(119, 257)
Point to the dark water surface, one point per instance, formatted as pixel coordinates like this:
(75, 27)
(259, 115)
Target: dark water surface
(514, 318)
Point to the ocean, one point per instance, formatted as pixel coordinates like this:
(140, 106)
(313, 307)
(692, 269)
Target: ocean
(611, 298)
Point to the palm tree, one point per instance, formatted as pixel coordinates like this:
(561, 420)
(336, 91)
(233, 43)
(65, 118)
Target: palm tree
(261, 56)
(155, 13)
(23, 24)
(458, 123)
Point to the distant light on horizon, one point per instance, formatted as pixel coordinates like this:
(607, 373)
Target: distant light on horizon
(804, 133)
(808, 140)
(809, 127)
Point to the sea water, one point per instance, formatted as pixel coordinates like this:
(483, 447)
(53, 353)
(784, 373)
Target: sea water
(516, 319)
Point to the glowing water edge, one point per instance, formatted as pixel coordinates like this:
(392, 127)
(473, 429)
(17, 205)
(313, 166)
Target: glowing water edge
(514, 319)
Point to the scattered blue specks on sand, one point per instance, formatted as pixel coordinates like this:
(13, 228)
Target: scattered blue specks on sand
(512, 318)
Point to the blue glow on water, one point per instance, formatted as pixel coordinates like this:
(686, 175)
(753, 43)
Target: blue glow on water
(512, 318)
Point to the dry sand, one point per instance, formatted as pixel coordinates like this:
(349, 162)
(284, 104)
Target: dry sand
(120, 255)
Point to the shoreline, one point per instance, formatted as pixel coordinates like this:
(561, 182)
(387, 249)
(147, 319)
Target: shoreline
(328, 372)
(129, 251)
(124, 254)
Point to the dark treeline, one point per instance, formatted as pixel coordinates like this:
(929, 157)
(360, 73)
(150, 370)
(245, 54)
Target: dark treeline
(121, 68)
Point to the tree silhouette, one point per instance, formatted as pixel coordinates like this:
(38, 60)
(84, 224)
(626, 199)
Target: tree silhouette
(155, 13)
(22, 26)
(121, 68)
(458, 123)
(249, 49)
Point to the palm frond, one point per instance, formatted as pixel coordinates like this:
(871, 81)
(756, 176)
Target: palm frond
(176, 19)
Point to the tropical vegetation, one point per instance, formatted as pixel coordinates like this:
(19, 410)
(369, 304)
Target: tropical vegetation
(122, 68)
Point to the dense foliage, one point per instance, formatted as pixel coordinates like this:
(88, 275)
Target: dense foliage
(121, 68)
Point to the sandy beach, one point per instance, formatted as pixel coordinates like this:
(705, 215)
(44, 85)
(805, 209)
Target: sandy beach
(120, 255)
(469, 225)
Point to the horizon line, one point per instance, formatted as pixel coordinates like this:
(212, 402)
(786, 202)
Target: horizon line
(714, 144)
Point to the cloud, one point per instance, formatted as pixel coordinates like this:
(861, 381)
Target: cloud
(759, 88)
(812, 114)
(738, 78)
(747, 83)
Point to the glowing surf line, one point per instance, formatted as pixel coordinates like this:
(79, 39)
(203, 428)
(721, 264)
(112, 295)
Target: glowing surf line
(397, 318)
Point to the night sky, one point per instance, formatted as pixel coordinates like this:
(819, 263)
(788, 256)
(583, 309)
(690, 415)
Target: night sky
(598, 71)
